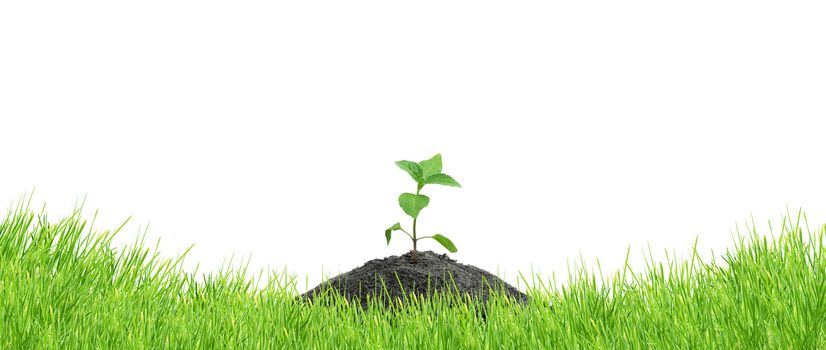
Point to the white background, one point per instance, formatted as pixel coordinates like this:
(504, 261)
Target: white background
(270, 129)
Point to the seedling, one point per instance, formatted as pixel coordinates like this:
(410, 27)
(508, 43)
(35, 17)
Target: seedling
(424, 173)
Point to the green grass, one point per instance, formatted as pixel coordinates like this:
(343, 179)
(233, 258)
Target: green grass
(64, 286)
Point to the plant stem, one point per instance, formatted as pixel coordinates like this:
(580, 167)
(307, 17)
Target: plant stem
(414, 239)
(419, 188)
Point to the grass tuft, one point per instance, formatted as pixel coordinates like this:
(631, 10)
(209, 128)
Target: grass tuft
(63, 286)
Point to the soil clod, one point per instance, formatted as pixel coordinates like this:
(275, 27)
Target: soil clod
(401, 276)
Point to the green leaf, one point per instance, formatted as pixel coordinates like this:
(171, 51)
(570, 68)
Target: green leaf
(412, 204)
(445, 242)
(431, 166)
(387, 232)
(411, 168)
(442, 179)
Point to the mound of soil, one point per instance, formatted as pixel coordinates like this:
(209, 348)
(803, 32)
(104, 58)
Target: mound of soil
(431, 272)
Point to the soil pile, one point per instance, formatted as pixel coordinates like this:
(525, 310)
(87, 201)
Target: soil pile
(431, 272)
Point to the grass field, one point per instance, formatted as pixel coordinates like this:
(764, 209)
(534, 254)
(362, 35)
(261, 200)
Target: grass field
(64, 286)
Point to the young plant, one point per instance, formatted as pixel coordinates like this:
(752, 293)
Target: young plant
(424, 173)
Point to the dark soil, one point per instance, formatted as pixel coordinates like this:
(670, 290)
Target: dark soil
(430, 273)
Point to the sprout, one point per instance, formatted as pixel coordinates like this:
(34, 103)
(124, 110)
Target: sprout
(424, 173)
